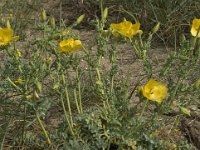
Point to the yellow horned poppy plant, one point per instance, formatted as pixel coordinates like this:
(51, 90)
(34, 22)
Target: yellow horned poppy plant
(125, 28)
(70, 45)
(195, 29)
(154, 91)
(6, 36)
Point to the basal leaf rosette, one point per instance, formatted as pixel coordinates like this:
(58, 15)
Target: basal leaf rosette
(154, 91)
(125, 28)
(195, 29)
(70, 45)
(6, 36)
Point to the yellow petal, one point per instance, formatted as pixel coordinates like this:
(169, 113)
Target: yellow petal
(195, 27)
(126, 29)
(154, 91)
(6, 36)
(70, 45)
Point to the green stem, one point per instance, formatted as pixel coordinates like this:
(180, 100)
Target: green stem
(60, 15)
(137, 51)
(76, 101)
(67, 98)
(13, 84)
(105, 101)
(174, 91)
(143, 109)
(139, 125)
(80, 98)
(79, 92)
(102, 18)
(66, 115)
(42, 126)
(112, 84)
(89, 65)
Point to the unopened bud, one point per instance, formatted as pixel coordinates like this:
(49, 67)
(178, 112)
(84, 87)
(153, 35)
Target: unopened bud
(44, 15)
(8, 24)
(140, 32)
(19, 54)
(38, 85)
(156, 27)
(28, 97)
(19, 81)
(185, 111)
(52, 22)
(35, 95)
(49, 59)
(105, 13)
(80, 19)
(99, 83)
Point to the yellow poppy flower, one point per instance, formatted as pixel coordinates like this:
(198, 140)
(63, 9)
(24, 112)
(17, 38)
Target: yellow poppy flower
(6, 36)
(154, 91)
(195, 27)
(125, 28)
(70, 45)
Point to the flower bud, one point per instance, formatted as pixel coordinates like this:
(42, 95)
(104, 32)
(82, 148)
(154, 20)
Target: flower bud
(19, 81)
(35, 95)
(39, 86)
(49, 59)
(156, 27)
(28, 97)
(8, 24)
(19, 54)
(105, 13)
(52, 22)
(80, 19)
(185, 111)
(44, 15)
